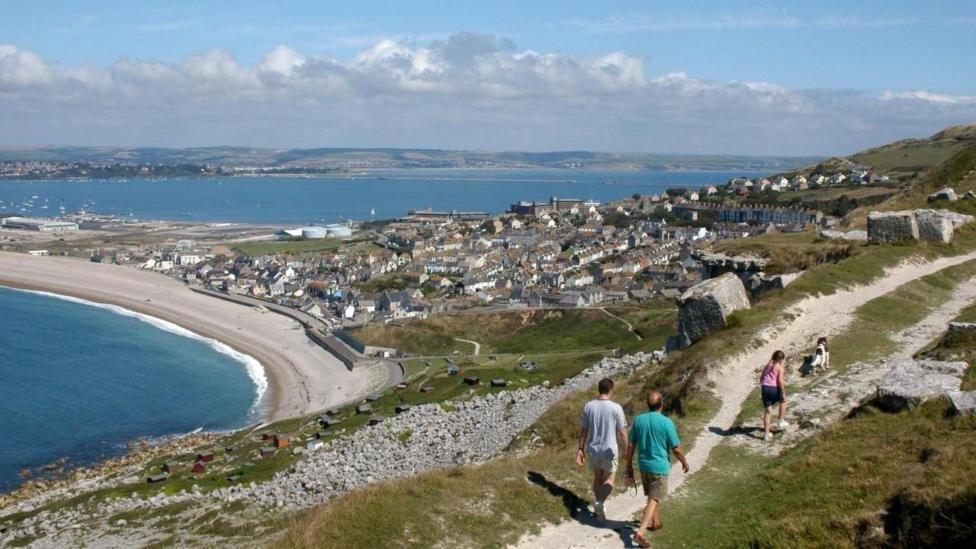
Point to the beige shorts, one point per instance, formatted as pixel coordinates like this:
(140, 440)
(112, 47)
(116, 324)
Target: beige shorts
(598, 463)
(655, 486)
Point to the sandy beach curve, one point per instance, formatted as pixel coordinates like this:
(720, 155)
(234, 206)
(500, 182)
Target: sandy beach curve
(302, 377)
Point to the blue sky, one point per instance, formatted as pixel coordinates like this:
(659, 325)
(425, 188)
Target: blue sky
(907, 67)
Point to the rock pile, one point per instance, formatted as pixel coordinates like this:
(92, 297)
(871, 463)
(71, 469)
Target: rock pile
(417, 440)
(706, 307)
(934, 225)
(912, 382)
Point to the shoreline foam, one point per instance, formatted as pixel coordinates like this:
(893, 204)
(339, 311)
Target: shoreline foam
(302, 378)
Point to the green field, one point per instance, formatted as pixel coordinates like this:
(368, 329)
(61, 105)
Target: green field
(290, 246)
(535, 331)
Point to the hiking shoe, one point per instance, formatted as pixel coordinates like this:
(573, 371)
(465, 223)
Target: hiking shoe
(600, 511)
(782, 425)
(767, 437)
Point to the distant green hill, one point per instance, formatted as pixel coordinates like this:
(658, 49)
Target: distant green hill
(358, 158)
(902, 160)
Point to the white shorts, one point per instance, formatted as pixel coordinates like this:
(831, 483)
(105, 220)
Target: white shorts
(602, 463)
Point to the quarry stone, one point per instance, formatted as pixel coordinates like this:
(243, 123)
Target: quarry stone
(946, 193)
(934, 226)
(706, 307)
(892, 226)
(962, 328)
(963, 402)
(912, 382)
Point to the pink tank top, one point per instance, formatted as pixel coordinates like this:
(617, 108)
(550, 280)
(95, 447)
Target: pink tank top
(769, 376)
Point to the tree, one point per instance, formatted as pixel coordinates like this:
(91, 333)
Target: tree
(677, 191)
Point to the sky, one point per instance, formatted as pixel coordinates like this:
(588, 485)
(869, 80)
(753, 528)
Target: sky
(718, 77)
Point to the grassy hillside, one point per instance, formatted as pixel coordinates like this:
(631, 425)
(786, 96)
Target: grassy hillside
(902, 160)
(493, 504)
(536, 331)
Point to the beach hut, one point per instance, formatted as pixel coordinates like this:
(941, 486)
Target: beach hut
(198, 468)
(364, 409)
(375, 420)
(171, 467)
(281, 441)
(472, 380)
(453, 370)
(427, 389)
(267, 452)
(499, 383)
(205, 457)
(153, 479)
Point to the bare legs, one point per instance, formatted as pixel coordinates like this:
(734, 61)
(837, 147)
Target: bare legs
(651, 519)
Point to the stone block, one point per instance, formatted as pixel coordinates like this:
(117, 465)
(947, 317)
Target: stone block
(934, 226)
(946, 193)
(892, 226)
(963, 402)
(912, 382)
(706, 307)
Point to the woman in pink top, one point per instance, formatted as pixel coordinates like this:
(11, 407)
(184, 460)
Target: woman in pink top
(773, 386)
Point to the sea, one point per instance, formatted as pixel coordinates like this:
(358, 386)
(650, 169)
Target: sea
(79, 382)
(378, 194)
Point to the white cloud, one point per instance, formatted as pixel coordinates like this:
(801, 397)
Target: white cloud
(464, 91)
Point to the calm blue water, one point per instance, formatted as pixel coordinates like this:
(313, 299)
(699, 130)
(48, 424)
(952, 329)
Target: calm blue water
(80, 381)
(289, 200)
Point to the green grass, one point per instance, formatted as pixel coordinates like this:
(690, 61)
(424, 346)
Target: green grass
(790, 252)
(557, 330)
(390, 282)
(829, 490)
(291, 246)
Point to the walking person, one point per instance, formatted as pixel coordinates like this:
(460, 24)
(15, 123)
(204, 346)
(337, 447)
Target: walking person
(653, 437)
(602, 424)
(772, 383)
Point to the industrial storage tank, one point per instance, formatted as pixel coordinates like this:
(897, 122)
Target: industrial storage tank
(314, 232)
(339, 231)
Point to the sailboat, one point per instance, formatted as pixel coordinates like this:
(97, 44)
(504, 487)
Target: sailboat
(372, 211)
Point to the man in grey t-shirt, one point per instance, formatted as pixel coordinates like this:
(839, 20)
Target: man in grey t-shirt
(603, 421)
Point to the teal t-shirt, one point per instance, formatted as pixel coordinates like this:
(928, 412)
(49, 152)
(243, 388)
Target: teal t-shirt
(655, 436)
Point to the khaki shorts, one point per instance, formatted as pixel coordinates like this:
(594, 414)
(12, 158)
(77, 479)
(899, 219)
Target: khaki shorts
(602, 463)
(655, 486)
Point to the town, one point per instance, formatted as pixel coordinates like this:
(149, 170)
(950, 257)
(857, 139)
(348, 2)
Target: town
(561, 253)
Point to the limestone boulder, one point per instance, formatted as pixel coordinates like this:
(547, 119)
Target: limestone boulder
(969, 195)
(934, 226)
(963, 402)
(912, 382)
(963, 328)
(946, 193)
(706, 307)
(886, 227)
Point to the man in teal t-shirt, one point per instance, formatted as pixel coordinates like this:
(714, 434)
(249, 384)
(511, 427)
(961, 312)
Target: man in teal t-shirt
(654, 437)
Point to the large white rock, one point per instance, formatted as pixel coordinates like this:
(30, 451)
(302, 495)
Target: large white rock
(912, 382)
(963, 402)
(934, 226)
(892, 226)
(706, 307)
(946, 193)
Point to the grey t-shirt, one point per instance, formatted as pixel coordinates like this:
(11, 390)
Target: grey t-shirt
(602, 419)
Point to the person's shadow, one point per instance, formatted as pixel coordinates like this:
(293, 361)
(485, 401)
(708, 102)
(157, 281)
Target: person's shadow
(737, 431)
(578, 511)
